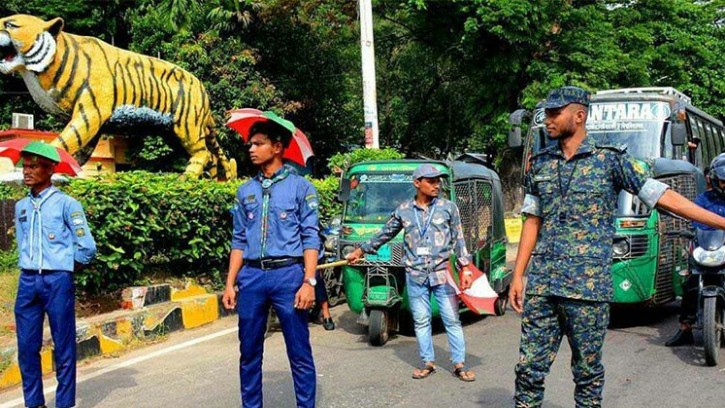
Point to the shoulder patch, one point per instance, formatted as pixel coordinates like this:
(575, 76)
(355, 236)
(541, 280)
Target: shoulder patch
(615, 148)
(80, 232)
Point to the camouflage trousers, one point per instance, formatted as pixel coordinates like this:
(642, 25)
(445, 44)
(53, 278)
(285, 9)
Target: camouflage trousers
(545, 320)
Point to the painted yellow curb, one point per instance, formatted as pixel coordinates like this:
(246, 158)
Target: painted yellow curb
(191, 290)
(199, 310)
(11, 375)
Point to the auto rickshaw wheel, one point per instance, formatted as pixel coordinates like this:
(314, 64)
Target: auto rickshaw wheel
(501, 304)
(378, 327)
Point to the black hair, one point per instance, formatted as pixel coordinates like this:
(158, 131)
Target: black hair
(274, 132)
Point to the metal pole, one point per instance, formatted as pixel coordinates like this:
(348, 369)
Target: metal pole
(368, 72)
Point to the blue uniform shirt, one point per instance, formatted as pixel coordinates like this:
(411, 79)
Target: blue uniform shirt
(291, 224)
(713, 202)
(52, 232)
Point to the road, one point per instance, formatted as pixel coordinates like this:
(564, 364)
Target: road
(198, 368)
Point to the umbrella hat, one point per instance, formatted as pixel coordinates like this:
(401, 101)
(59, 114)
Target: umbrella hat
(43, 150)
(15, 148)
(279, 120)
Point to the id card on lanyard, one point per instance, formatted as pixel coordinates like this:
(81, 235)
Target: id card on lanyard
(424, 250)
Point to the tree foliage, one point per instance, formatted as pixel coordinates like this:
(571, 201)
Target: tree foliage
(448, 72)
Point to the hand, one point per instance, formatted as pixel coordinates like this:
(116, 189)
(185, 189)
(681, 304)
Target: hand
(355, 255)
(466, 281)
(229, 298)
(516, 294)
(305, 297)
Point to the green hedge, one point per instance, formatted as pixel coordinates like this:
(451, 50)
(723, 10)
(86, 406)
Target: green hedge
(146, 223)
(162, 224)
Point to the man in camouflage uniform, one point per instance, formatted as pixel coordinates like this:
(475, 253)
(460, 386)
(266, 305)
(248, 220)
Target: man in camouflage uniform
(571, 196)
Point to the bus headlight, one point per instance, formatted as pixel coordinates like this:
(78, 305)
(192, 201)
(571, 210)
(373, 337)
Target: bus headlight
(620, 247)
(709, 258)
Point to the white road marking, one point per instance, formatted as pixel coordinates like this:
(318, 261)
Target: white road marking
(136, 360)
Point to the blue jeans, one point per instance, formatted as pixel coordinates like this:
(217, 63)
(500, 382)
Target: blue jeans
(52, 294)
(258, 290)
(419, 300)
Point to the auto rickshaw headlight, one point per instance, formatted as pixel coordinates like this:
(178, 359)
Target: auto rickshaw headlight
(346, 250)
(621, 247)
(709, 258)
(331, 243)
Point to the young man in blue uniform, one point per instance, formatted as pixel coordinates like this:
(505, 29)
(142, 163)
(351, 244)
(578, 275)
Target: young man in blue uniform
(53, 241)
(433, 231)
(274, 254)
(711, 200)
(571, 194)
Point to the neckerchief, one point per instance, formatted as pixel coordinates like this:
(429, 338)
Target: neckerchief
(267, 184)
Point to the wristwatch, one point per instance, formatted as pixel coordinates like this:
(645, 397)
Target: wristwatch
(311, 281)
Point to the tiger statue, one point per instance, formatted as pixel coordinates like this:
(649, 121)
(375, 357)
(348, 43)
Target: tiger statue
(101, 88)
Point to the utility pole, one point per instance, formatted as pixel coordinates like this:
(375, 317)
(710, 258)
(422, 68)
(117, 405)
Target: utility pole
(368, 73)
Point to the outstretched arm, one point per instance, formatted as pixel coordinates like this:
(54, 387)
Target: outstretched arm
(677, 204)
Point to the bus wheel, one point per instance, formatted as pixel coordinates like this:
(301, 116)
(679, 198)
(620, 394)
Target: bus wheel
(499, 307)
(712, 324)
(378, 328)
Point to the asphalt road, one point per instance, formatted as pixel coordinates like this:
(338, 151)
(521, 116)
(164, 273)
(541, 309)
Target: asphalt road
(198, 368)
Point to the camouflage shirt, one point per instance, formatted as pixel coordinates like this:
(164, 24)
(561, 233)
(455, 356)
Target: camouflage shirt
(430, 235)
(576, 200)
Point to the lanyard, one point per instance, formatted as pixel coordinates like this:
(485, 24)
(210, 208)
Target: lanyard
(563, 192)
(266, 193)
(431, 206)
(37, 204)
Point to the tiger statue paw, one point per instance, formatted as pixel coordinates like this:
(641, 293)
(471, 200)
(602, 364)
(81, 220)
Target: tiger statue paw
(101, 88)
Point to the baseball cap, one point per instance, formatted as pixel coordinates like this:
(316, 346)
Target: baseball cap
(427, 170)
(560, 97)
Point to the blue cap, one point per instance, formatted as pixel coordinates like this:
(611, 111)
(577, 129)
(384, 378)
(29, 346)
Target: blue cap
(560, 97)
(427, 170)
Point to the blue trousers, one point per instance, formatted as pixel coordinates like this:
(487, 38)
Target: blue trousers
(258, 290)
(54, 294)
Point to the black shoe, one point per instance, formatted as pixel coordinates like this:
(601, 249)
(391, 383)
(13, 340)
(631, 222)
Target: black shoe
(328, 324)
(681, 338)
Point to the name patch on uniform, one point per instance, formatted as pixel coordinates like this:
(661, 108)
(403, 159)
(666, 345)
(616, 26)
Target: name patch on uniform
(542, 178)
(80, 232)
(24, 218)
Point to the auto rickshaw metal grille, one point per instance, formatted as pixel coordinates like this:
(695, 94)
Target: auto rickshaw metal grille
(396, 255)
(475, 202)
(673, 246)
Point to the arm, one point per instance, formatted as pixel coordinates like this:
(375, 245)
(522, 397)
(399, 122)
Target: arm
(310, 236)
(19, 235)
(84, 244)
(677, 204)
(463, 258)
(236, 256)
(391, 228)
(529, 235)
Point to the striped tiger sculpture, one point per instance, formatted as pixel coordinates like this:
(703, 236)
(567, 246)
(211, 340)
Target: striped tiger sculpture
(101, 88)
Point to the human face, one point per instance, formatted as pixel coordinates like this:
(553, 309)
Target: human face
(262, 151)
(37, 172)
(430, 187)
(563, 122)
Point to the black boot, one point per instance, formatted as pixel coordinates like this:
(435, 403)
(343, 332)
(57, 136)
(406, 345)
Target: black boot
(328, 324)
(681, 338)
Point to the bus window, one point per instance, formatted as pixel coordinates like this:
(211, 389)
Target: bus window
(695, 154)
(708, 143)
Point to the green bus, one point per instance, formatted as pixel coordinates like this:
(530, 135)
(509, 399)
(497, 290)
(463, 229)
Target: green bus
(672, 138)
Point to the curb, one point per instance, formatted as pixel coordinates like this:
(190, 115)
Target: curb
(154, 312)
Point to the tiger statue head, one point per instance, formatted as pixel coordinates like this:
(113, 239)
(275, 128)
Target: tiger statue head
(27, 43)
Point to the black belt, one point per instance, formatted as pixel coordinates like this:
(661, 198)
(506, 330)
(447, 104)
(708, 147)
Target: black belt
(272, 263)
(41, 272)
